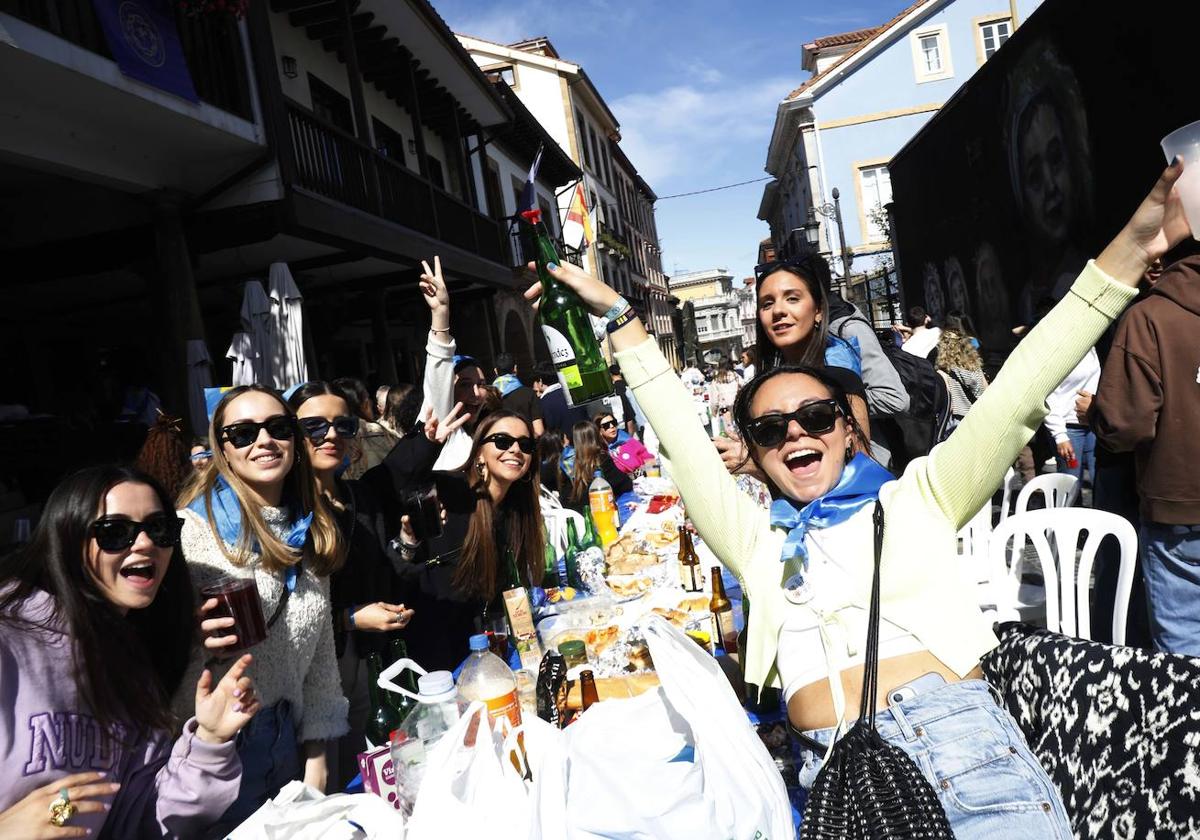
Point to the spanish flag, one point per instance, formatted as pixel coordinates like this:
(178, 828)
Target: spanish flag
(577, 230)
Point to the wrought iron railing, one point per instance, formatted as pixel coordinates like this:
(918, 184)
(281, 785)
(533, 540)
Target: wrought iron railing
(334, 163)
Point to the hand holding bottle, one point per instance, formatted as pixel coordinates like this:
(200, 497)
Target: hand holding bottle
(596, 296)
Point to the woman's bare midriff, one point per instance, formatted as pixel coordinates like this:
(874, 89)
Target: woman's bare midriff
(812, 706)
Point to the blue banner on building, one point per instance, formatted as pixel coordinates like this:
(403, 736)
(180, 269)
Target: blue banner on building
(144, 42)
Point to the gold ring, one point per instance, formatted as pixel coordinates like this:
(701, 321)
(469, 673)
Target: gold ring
(62, 809)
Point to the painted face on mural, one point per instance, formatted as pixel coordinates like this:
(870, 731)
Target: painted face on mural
(935, 303)
(994, 306)
(1045, 173)
(956, 288)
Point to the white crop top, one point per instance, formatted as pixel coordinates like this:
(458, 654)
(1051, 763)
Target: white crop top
(802, 657)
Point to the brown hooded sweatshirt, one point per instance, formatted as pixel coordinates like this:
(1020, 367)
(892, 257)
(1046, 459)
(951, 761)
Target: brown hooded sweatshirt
(1149, 395)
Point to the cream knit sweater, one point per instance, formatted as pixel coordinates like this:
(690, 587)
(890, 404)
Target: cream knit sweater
(296, 662)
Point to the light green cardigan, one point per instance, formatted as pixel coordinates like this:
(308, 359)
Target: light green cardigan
(921, 590)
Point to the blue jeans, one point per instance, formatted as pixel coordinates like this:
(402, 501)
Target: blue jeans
(270, 758)
(1171, 566)
(971, 751)
(1084, 443)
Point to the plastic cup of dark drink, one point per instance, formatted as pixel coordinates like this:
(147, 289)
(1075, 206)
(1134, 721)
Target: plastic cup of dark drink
(238, 598)
(424, 515)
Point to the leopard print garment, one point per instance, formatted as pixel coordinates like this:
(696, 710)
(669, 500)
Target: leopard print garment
(1116, 728)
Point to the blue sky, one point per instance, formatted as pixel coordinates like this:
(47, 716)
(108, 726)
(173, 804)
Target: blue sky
(695, 86)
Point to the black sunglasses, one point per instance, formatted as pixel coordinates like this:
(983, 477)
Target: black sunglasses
(815, 418)
(608, 424)
(120, 534)
(802, 265)
(504, 442)
(315, 428)
(241, 435)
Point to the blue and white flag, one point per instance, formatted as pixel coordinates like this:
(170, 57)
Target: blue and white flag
(144, 42)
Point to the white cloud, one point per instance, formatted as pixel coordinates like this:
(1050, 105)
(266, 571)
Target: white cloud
(515, 21)
(700, 129)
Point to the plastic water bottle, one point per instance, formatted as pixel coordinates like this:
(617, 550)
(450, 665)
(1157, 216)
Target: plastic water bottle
(604, 509)
(485, 678)
(435, 711)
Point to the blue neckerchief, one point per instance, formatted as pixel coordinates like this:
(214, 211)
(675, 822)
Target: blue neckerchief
(507, 383)
(567, 461)
(858, 487)
(622, 438)
(227, 516)
(843, 353)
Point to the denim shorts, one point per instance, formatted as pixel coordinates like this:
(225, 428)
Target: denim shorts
(970, 749)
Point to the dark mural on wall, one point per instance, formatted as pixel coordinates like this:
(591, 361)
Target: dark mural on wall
(1040, 158)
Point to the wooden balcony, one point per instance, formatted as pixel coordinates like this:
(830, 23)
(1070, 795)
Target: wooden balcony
(337, 165)
(212, 46)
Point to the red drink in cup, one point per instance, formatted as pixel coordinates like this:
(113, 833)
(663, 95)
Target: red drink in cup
(237, 598)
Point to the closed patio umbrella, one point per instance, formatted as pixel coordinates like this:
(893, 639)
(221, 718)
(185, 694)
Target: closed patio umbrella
(199, 375)
(287, 328)
(251, 349)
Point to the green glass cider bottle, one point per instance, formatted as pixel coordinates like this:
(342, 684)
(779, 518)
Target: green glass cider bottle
(582, 369)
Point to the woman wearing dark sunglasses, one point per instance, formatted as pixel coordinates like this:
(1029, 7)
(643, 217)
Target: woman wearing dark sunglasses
(255, 512)
(807, 566)
(491, 541)
(95, 628)
(367, 604)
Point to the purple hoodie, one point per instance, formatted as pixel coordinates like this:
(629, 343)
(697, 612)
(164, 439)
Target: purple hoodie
(44, 735)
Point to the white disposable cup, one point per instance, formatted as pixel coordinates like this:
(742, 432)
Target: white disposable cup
(1185, 143)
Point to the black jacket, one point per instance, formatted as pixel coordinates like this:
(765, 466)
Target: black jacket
(445, 616)
(367, 575)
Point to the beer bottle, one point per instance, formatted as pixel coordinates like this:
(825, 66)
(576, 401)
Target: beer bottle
(573, 549)
(550, 570)
(587, 690)
(689, 563)
(590, 537)
(581, 367)
(381, 717)
(402, 704)
(724, 629)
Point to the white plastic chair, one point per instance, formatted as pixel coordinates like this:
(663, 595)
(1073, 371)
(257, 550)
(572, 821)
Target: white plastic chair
(556, 526)
(1010, 479)
(973, 542)
(1067, 574)
(1059, 489)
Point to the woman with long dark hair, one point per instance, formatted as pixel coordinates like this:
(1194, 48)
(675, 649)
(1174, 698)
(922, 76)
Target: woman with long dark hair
(96, 625)
(491, 541)
(589, 452)
(808, 564)
(367, 607)
(793, 328)
(255, 513)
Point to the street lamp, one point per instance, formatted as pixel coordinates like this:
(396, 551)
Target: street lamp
(834, 211)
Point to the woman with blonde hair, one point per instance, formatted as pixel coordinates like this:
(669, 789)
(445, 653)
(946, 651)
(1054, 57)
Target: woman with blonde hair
(255, 513)
(958, 363)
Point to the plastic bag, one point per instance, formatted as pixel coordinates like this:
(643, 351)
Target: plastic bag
(470, 788)
(299, 812)
(679, 762)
